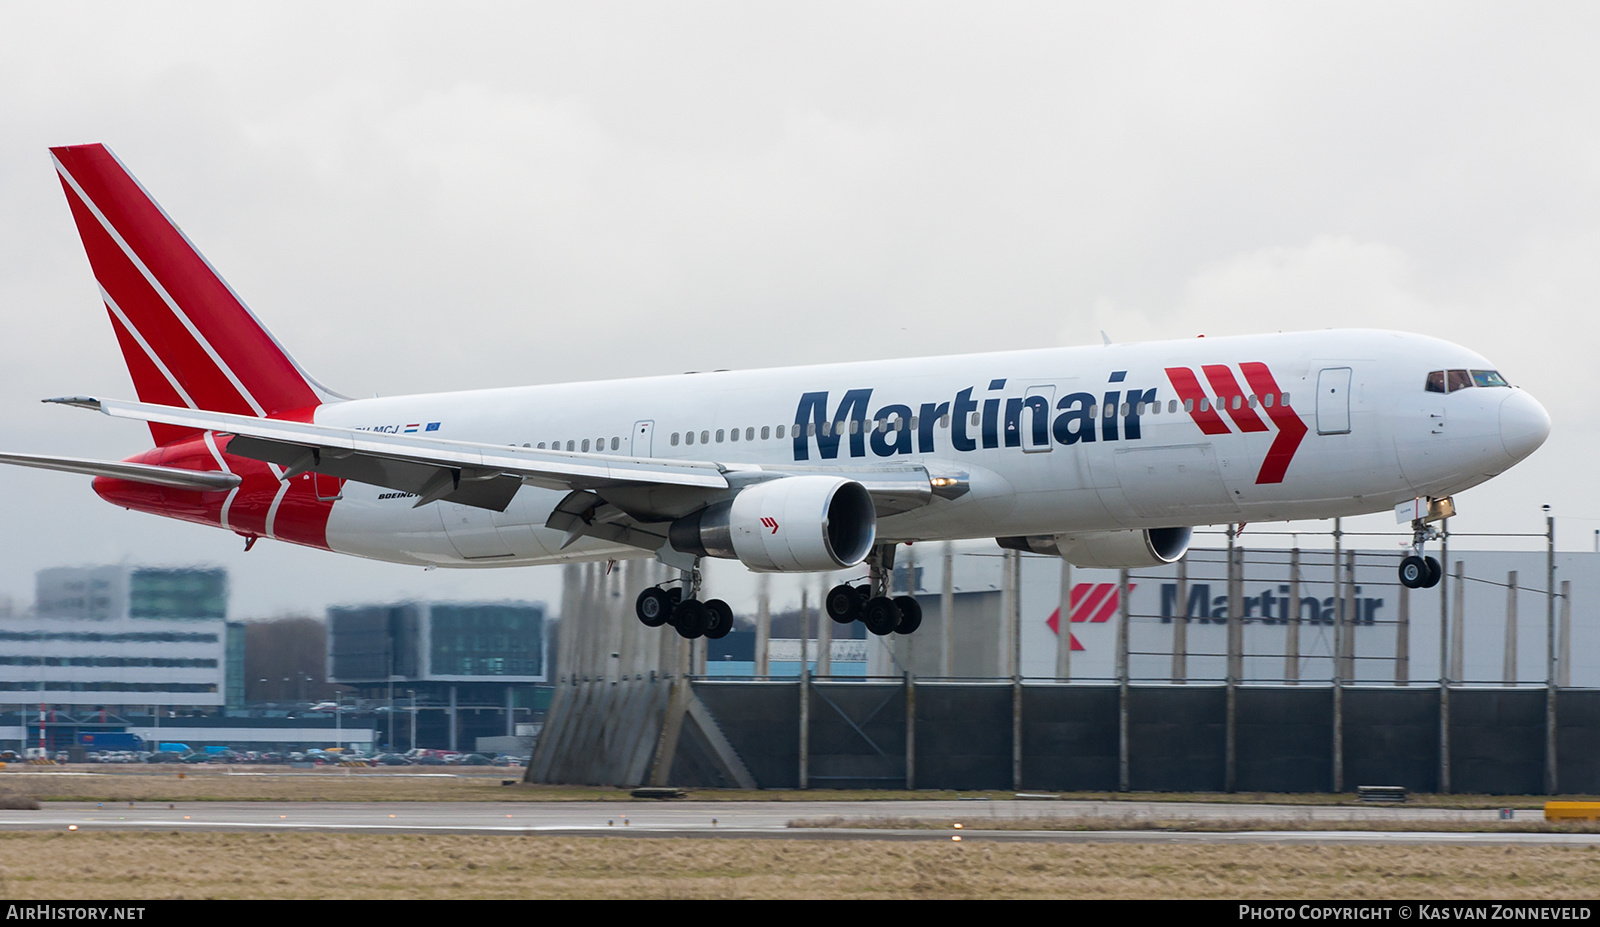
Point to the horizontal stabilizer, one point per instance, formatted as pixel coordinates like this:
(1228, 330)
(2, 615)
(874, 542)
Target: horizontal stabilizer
(133, 472)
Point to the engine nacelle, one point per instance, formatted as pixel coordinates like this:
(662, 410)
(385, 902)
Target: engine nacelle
(795, 524)
(1128, 549)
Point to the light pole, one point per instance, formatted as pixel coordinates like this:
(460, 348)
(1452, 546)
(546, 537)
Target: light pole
(390, 660)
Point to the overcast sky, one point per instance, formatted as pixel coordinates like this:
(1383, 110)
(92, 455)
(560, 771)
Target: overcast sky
(414, 197)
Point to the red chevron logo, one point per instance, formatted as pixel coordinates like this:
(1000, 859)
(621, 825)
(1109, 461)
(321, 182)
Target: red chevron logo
(1229, 397)
(770, 523)
(1091, 602)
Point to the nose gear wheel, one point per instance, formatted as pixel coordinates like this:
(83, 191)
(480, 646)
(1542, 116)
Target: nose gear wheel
(1420, 572)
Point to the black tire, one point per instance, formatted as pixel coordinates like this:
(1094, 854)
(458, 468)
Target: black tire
(1435, 573)
(864, 591)
(721, 619)
(910, 614)
(691, 618)
(1413, 572)
(842, 604)
(654, 607)
(677, 595)
(880, 615)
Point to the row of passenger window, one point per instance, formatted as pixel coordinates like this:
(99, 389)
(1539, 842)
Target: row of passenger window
(896, 423)
(731, 434)
(599, 445)
(1225, 402)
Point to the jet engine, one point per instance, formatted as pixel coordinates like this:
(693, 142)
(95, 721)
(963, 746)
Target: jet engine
(795, 524)
(1128, 549)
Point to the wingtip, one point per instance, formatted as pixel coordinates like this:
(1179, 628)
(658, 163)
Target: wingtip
(82, 402)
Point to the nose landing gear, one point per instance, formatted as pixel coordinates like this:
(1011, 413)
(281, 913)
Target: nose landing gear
(1419, 571)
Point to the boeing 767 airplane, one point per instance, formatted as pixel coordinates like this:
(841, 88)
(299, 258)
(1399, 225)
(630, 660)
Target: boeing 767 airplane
(1105, 455)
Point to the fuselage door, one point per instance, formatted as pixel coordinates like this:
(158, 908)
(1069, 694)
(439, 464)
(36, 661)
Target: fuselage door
(1034, 422)
(642, 436)
(1333, 401)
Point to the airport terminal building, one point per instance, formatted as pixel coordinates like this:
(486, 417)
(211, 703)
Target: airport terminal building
(119, 636)
(452, 672)
(140, 650)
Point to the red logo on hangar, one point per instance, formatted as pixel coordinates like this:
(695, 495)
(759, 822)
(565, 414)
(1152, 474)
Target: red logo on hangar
(1091, 602)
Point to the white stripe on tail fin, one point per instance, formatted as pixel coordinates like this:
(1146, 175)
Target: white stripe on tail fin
(187, 338)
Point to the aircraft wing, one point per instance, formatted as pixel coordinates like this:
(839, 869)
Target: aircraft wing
(487, 476)
(482, 475)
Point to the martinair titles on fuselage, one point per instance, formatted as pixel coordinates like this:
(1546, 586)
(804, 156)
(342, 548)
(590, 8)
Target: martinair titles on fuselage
(1080, 413)
(1076, 423)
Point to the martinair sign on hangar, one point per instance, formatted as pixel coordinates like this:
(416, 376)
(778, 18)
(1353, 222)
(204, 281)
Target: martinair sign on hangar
(1207, 603)
(1269, 608)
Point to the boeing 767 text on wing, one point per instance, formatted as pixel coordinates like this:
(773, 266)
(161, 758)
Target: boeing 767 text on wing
(1104, 455)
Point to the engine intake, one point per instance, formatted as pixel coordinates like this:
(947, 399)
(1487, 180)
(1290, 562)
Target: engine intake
(1128, 549)
(796, 524)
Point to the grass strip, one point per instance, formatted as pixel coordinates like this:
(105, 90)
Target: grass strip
(94, 865)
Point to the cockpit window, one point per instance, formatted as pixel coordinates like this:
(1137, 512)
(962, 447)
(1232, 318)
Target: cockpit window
(1448, 381)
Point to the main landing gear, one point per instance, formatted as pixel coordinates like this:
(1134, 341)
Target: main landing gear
(870, 603)
(882, 615)
(1418, 571)
(690, 617)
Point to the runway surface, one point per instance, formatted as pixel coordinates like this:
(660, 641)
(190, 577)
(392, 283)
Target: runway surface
(693, 819)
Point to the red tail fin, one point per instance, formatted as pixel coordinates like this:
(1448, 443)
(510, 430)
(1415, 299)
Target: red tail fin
(187, 338)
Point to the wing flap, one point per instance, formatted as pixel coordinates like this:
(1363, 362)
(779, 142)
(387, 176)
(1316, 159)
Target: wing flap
(466, 485)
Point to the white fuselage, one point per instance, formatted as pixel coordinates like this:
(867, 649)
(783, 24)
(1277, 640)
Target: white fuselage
(1029, 430)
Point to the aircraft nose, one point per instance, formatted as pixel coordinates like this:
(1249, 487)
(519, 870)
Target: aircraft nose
(1524, 424)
